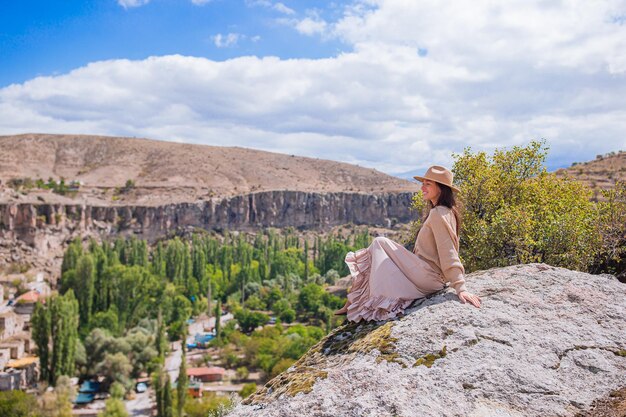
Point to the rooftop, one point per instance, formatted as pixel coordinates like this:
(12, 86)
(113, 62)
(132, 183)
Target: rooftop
(205, 371)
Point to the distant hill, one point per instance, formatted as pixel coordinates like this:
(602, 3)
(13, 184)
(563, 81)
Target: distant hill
(175, 172)
(601, 173)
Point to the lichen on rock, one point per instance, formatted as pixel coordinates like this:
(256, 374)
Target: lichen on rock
(530, 350)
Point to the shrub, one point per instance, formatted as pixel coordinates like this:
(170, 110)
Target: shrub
(242, 373)
(281, 366)
(611, 256)
(247, 390)
(516, 212)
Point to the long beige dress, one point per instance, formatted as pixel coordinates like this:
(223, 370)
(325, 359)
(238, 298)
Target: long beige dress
(387, 278)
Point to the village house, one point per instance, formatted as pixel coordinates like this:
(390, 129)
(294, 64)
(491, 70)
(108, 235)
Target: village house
(19, 374)
(25, 303)
(206, 374)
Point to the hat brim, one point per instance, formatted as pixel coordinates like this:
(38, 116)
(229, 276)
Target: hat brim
(421, 179)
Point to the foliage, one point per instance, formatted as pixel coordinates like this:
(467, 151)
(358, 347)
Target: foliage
(516, 212)
(117, 390)
(120, 358)
(209, 404)
(242, 373)
(59, 187)
(281, 366)
(611, 256)
(114, 407)
(17, 404)
(58, 403)
(266, 348)
(182, 382)
(55, 332)
(163, 393)
(123, 283)
(247, 390)
(250, 320)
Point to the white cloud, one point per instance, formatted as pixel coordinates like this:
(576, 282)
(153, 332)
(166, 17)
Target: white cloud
(228, 40)
(310, 26)
(201, 2)
(495, 74)
(280, 7)
(132, 3)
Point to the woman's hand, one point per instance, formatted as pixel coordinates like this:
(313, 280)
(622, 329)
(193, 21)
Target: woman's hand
(467, 296)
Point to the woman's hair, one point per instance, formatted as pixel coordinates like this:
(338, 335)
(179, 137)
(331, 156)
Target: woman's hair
(446, 198)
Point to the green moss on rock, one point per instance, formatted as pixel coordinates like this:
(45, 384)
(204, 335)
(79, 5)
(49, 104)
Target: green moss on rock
(429, 359)
(343, 344)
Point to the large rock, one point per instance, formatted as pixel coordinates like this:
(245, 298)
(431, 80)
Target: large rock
(546, 342)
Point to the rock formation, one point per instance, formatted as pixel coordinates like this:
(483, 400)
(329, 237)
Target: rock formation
(244, 212)
(546, 342)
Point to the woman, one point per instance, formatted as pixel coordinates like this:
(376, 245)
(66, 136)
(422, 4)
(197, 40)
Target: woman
(386, 277)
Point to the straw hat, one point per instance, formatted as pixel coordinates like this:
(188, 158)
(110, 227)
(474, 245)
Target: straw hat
(440, 175)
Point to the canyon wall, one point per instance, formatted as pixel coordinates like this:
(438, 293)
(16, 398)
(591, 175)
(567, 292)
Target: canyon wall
(303, 210)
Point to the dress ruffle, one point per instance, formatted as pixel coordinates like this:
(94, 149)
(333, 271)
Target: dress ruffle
(362, 305)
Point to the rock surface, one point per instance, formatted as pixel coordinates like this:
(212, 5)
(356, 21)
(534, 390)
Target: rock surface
(546, 342)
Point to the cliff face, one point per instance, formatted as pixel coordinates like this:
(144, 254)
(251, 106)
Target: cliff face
(546, 342)
(28, 222)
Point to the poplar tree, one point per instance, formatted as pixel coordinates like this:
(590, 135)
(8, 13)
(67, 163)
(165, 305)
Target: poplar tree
(40, 323)
(218, 316)
(306, 260)
(181, 386)
(167, 397)
(85, 279)
(55, 331)
(158, 260)
(160, 338)
(71, 255)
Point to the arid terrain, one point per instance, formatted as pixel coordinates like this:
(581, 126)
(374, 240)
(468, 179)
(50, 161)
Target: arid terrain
(168, 172)
(600, 174)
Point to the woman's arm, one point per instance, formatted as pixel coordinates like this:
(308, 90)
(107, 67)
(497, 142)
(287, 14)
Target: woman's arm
(449, 260)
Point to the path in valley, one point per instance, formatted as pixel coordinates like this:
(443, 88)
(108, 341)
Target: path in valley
(141, 405)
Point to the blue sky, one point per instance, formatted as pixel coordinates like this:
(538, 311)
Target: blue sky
(395, 85)
(48, 37)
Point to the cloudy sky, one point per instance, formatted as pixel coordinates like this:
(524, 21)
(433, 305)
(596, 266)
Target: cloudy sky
(395, 85)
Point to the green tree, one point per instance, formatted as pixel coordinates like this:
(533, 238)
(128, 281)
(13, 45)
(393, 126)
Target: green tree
(107, 320)
(167, 398)
(182, 383)
(516, 212)
(218, 320)
(247, 390)
(611, 256)
(58, 403)
(242, 373)
(114, 406)
(208, 405)
(85, 279)
(55, 331)
(163, 393)
(288, 315)
(116, 367)
(17, 404)
(71, 255)
(250, 320)
(160, 342)
(40, 324)
(310, 298)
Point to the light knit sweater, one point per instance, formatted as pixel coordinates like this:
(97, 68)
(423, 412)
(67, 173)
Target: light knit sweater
(438, 244)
